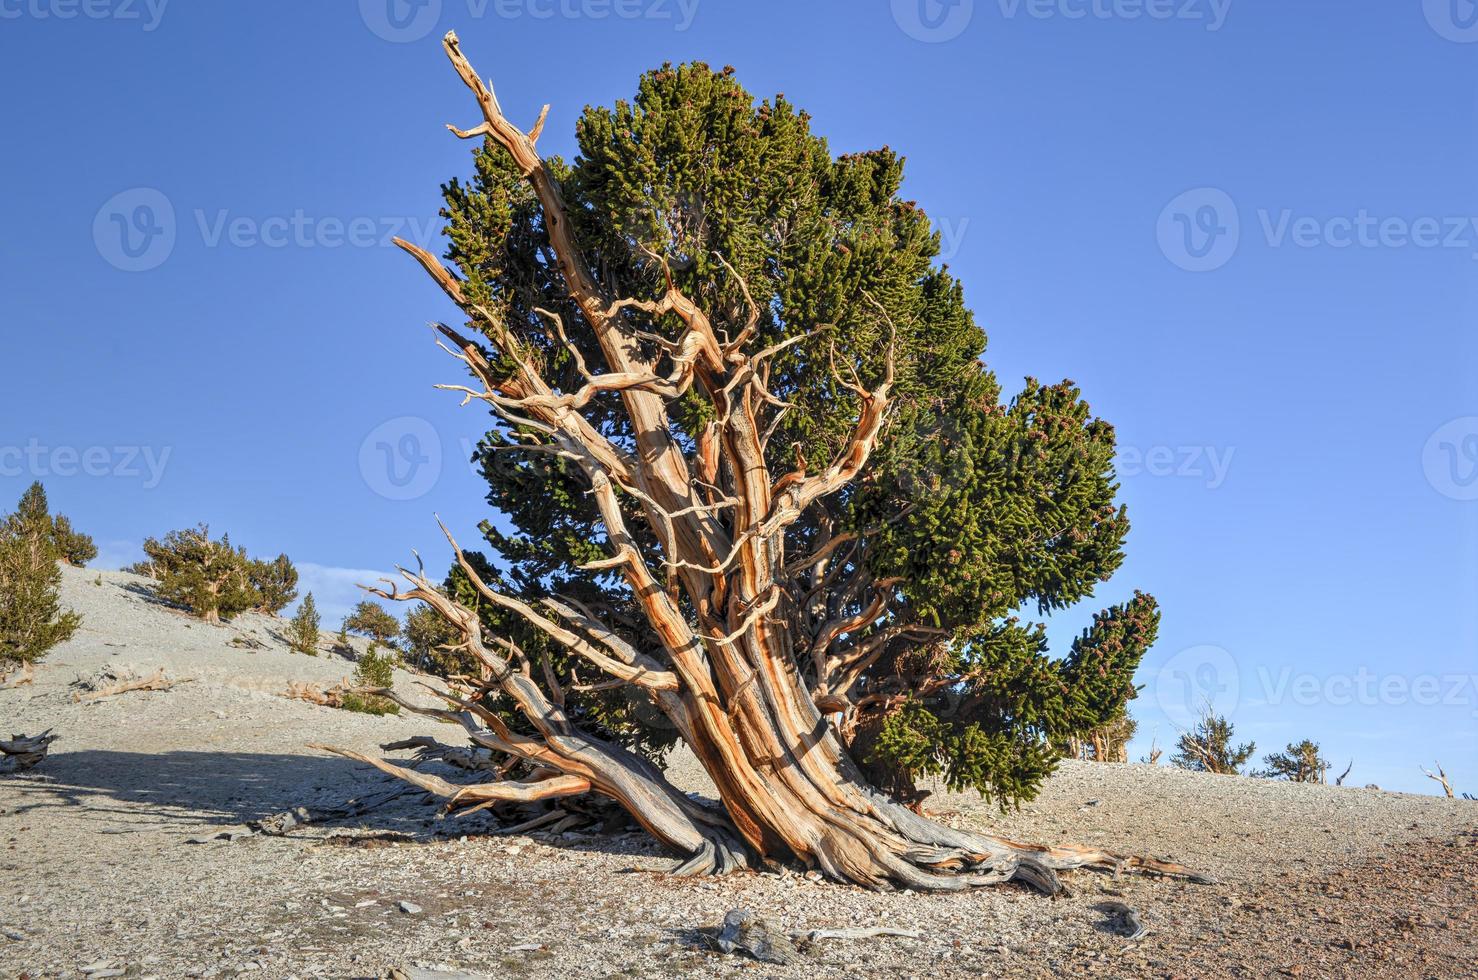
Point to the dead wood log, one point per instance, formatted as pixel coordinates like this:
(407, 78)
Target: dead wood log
(314, 694)
(21, 676)
(97, 688)
(22, 752)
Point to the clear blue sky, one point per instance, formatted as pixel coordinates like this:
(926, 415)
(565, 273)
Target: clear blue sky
(1246, 229)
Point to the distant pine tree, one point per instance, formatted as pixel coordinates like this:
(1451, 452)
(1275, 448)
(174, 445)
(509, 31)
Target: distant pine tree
(302, 632)
(1301, 763)
(1208, 748)
(370, 619)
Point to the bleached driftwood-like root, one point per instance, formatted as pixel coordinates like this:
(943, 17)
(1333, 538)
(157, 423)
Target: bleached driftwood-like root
(333, 697)
(156, 681)
(734, 626)
(1440, 777)
(22, 752)
(21, 676)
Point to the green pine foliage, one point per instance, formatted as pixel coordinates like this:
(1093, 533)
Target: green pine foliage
(70, 545)
(372, 620)
(275, 582)
(208, 577)
(31, 618)
(302, 630)
(73, 547)
(976, 506)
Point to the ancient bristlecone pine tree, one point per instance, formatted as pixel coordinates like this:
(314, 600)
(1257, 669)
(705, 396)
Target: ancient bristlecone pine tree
(759, 494)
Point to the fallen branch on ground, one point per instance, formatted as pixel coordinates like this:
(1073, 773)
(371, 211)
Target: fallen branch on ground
(91, 691)
(24, 752)
(313, 694)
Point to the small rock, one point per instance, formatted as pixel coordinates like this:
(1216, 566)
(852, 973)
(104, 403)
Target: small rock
(410, 908)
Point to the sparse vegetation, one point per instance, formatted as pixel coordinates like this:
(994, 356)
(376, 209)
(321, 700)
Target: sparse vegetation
(371, 619)
(1299, 763)
(31, 618)
(1208, 747)
(376, 669)
(302, 631)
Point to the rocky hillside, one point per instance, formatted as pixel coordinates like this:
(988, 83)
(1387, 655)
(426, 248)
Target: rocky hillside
(134, 850)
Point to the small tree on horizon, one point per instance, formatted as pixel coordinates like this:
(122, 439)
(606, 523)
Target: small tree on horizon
(370, 619)
(1299, 763)
(71, 546)
(1208, 747)
(303, 629)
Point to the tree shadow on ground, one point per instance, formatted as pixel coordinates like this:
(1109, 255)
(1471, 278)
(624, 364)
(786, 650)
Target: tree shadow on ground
(195, 793)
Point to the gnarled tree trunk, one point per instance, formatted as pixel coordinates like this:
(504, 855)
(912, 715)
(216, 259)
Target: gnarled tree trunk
(720, 593)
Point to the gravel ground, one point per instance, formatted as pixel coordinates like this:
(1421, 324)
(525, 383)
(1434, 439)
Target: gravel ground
(96, 870)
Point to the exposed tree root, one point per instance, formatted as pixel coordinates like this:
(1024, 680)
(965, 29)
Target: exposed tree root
(22, 752)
